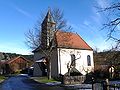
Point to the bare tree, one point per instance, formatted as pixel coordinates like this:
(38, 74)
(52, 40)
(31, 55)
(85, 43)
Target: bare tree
(113, 22)
(34, 37)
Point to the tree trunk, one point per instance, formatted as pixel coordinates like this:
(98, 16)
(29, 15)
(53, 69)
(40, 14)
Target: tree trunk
(49, 69)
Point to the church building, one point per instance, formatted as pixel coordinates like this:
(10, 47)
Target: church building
(67, 51)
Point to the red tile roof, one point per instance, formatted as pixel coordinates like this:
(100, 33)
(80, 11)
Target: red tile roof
(70, 40)
(12, 60)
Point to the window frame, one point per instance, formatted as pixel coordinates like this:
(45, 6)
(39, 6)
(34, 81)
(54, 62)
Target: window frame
(88, 60)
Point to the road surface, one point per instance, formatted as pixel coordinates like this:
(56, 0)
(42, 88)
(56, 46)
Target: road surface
(25, 83)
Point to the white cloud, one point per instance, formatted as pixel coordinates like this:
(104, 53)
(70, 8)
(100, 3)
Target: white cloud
(74, 26)
(102, 3)
(90, 28)
(86, 23)
(92, 35)
(20, 10)
(96, 17)
(23, 12)
(96, 37)
(118, 27)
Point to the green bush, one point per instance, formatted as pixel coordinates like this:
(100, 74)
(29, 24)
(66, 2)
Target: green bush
(2, 77)
(17, 72)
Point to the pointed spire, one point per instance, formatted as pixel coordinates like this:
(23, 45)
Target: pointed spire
(48, 17)
(49, 11)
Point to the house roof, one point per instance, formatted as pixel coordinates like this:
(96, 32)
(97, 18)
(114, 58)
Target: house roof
(12, 60)
(70, 40)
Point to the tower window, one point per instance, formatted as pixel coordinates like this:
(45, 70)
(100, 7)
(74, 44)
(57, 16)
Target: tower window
(88, 60)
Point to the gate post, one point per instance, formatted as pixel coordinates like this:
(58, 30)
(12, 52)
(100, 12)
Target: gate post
(107, 84)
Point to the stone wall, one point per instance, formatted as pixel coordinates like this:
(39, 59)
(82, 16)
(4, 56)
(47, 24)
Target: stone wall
(73, 79)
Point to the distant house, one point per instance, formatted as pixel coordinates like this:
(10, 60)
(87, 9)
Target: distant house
(16, 64)
(70, 51)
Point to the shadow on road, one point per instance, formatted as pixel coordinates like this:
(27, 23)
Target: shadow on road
(21, 82)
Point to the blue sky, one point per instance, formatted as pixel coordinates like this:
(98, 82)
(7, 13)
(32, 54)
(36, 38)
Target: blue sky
(18, 16)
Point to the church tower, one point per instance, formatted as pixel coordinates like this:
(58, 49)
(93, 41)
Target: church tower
(48, 28)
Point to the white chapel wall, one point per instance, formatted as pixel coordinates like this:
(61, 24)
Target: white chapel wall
(81, 63)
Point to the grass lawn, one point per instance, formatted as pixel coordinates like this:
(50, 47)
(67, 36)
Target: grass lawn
(43, 79)
(2, 78)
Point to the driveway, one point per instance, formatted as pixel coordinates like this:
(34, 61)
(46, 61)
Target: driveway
(21, 82)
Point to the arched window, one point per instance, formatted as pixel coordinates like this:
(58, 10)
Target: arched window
(88, 60)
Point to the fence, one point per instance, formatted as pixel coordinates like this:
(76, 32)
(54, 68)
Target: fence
(114, 87)
(105, 85)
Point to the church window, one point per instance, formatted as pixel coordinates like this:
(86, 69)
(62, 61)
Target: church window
(88, 60)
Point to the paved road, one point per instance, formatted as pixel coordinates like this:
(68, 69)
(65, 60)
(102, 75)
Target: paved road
(24, 83)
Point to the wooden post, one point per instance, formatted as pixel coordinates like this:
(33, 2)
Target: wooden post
(107, 84)
(93, 85)
(114, 86)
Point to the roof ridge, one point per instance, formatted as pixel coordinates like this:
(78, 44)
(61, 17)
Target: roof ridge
(11, 60)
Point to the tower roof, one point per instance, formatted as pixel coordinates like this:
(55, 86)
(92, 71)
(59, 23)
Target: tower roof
(48, 18)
